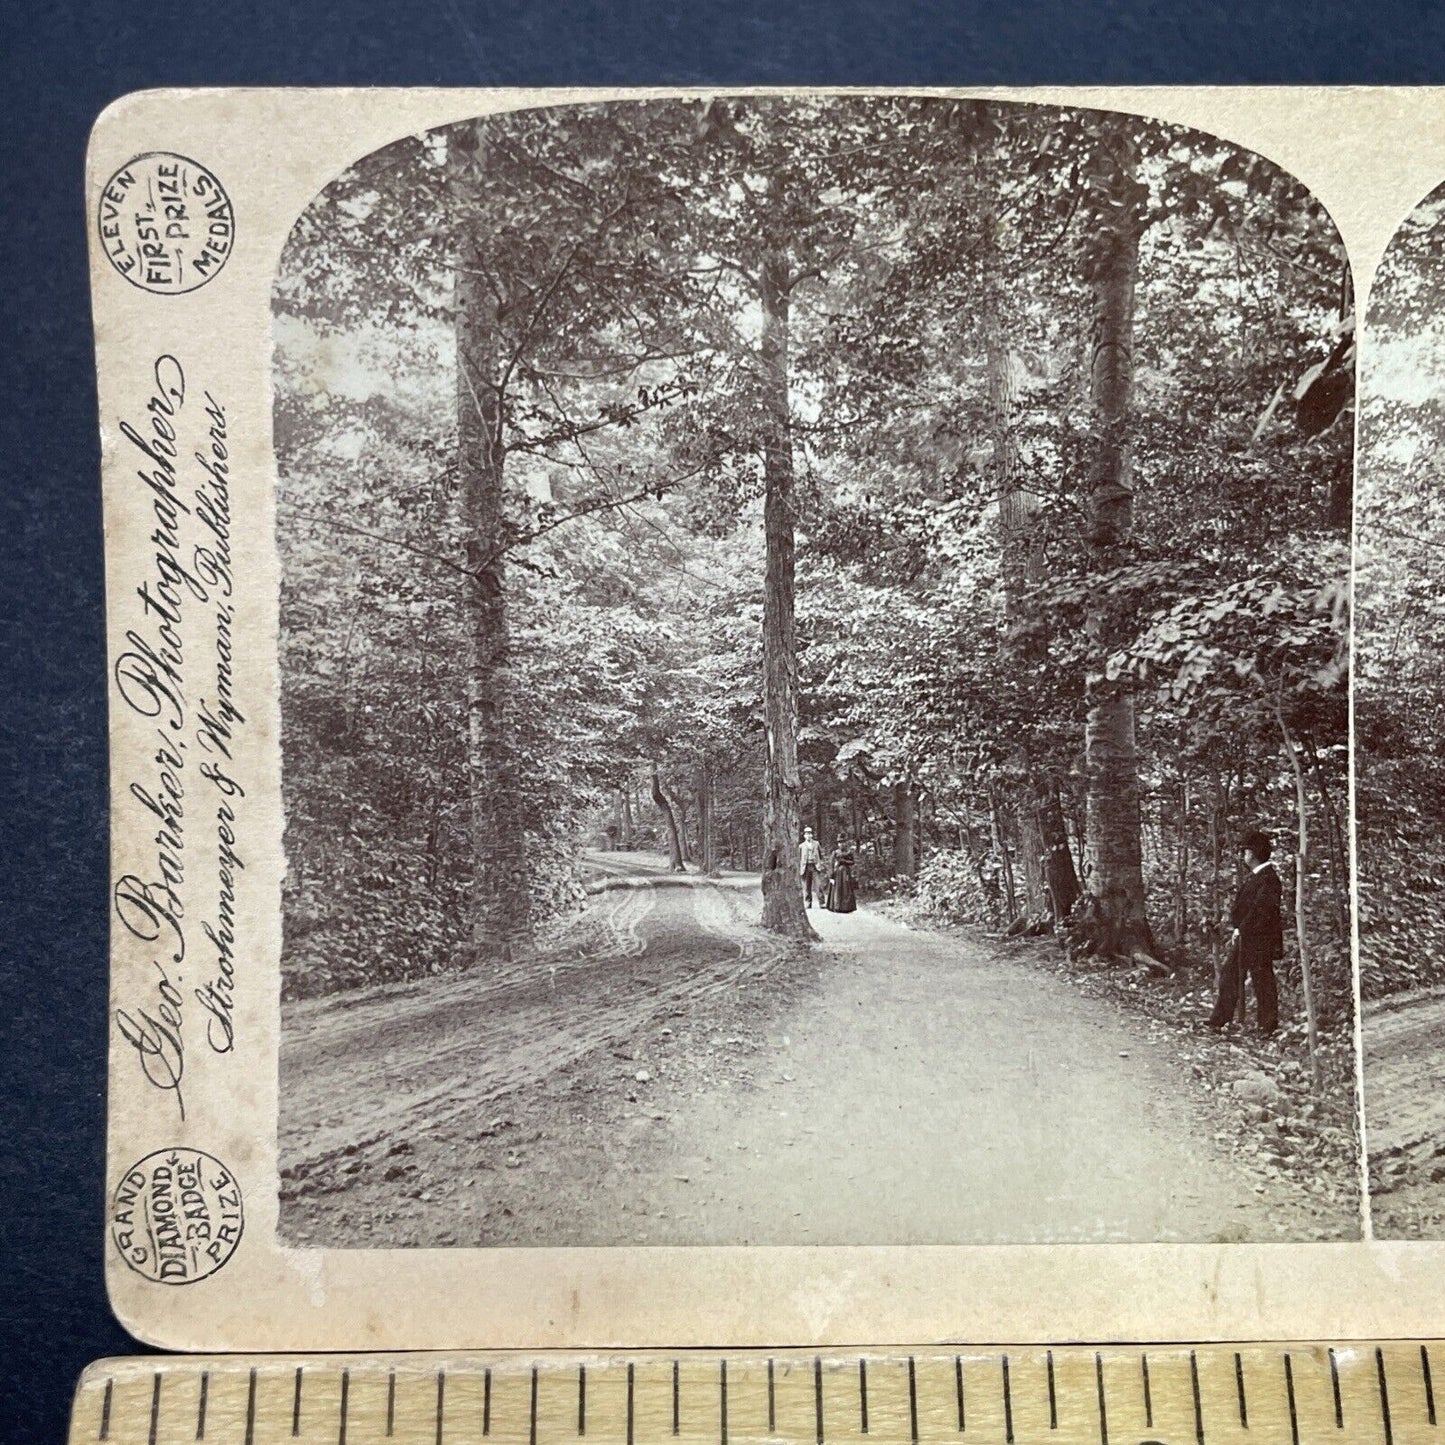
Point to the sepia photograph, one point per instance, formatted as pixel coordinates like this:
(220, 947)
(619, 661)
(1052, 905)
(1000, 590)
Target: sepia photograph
(1399, 715)
(814, 684)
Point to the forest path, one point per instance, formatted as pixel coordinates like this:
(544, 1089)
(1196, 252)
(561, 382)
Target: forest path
(1404, 1090)
(680, 1077)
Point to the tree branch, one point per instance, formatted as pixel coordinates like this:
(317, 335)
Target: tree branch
(384, 539)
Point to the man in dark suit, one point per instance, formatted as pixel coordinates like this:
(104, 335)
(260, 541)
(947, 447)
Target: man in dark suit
(1257, 941)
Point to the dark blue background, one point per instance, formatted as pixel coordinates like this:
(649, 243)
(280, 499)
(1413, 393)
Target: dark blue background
(61, 64)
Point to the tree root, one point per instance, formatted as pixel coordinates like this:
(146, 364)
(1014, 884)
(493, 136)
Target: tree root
(1151, 966)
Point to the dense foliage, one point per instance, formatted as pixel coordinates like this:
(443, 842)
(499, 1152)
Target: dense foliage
(1400, 641)
(955, 608)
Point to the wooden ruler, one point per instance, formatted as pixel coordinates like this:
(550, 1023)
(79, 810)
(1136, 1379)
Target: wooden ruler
(1294, 1394)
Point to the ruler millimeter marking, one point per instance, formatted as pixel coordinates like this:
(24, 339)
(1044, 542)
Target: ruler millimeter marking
(1296, 1394)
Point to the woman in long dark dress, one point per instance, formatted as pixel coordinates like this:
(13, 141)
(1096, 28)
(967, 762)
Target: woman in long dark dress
(842, 898)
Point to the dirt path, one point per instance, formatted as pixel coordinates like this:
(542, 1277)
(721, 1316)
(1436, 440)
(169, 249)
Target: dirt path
(678, 1077)
(1405, 1114)
(375, 1067)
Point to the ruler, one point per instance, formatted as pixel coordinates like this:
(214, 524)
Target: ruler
(1258, 1394)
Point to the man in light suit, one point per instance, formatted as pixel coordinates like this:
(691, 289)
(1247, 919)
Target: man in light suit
(809, 856)
(1257, 940)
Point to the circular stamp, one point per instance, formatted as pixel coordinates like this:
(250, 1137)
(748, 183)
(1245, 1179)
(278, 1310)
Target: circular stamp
(166, 223)
(176, 1216)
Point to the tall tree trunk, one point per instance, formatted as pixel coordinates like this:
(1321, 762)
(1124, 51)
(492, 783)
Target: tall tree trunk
(1340, 497)
(988, 888)
(1217, 811)
(501, 900)
(706, 848)
(1301, 862)
(1111, 762)
(669, 817)
(626, 838)
(1000, 843)
(1335, 844)
(1050, 883)
(1035, 893)
(1181, 865)
(1017, 507)
(905, 839)
(680, 808)
(1016, 514)
(783, 909)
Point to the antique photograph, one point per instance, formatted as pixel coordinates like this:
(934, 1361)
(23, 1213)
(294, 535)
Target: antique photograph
(814, 683)
(1399, 714)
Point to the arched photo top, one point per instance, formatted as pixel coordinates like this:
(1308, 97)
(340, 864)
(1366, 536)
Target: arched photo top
(947, 196)
(715, 534)
(1400, 722)
(1402, 387)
